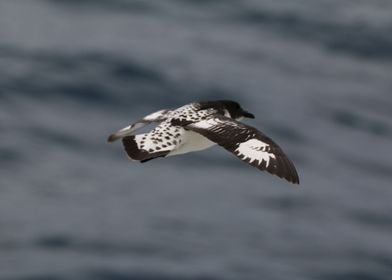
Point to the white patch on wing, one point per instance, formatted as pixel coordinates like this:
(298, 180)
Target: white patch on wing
(125, 128)
(163, 138)
(155, 116)
(255, 149)
(206, 124)
(132, 127)
(143, 141)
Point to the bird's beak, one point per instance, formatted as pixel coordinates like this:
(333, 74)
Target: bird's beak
(247, 115)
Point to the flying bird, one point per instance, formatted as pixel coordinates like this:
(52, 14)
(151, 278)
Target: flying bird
(200, 125)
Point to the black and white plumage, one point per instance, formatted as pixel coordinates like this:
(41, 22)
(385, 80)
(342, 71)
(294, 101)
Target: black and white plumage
(200, 125)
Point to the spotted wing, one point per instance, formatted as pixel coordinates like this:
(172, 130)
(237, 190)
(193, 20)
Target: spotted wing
(158, 116)
(157, 143)
(191, 113)
(248, 144)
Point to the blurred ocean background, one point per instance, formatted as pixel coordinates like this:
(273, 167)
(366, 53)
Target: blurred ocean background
(318, 77)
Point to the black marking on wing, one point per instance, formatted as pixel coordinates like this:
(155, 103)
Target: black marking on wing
(132, 150)
(180, 122)
(192, 114)
(230, 134)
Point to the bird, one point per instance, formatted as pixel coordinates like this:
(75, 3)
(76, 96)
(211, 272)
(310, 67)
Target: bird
(200, 125)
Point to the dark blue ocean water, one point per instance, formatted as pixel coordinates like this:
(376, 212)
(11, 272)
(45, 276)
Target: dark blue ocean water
(318, 77)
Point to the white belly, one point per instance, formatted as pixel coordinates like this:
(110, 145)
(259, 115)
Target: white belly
(192, 142)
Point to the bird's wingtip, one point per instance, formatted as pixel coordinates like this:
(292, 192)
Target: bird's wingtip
(111, 138)
(295, 180)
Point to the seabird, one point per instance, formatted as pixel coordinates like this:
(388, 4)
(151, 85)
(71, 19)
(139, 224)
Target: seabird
(200, 125)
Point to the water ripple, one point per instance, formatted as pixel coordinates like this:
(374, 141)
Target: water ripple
(356, 39)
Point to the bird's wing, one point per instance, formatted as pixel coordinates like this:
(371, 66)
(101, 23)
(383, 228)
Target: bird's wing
(158, 116)
(248, 144)
(192, 113)
(156, 143)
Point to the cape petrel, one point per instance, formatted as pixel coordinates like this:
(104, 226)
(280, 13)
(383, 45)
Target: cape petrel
(200, 125)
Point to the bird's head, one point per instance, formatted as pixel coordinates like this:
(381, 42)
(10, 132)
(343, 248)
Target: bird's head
(235, 110)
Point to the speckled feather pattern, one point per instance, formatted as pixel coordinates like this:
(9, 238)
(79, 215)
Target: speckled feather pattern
(167, 137)
(198, 126)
